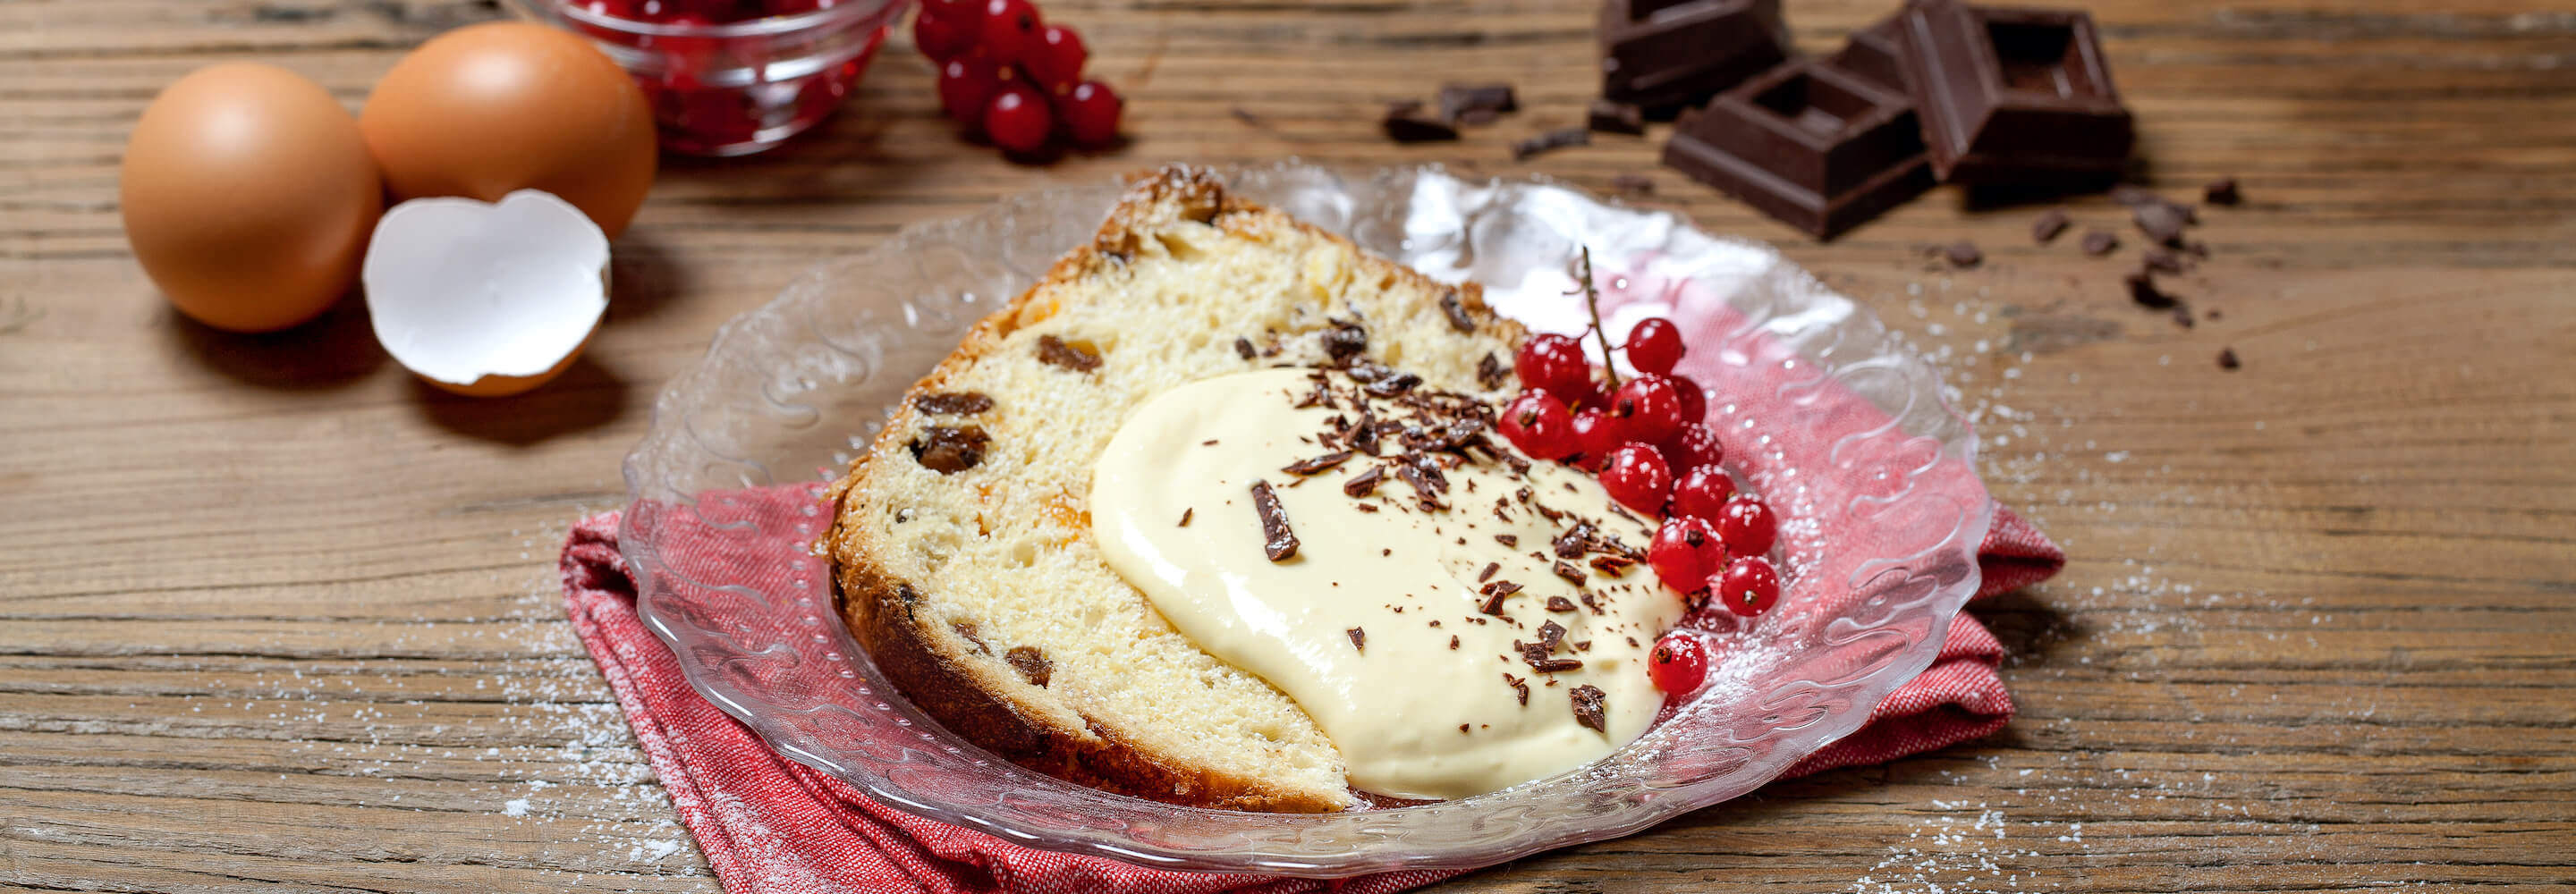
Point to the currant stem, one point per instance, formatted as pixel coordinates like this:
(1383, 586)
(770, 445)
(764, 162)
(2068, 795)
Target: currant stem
(1592, 304)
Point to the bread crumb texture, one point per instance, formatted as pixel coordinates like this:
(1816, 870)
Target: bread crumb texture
(979, 589)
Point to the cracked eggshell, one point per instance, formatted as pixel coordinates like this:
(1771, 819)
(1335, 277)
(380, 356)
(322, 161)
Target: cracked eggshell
(486, 299)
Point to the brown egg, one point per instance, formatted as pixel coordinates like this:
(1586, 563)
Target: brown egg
(248, 195)
(487, 109)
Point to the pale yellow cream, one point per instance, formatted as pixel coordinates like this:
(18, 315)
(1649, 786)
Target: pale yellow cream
(1172, 507)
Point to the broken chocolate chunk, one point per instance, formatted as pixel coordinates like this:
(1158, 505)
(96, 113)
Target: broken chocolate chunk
(1364, 483)
(1550, 635)
(2162, 221)
(954, 403)
(1963, 254)
(1406, 123)
(1032, 664)
(1559, 604)
(1455, 308)
(1488, 573)
(949, 450)
(2163, 260)
(1457, 101)
(2100, 242)
(1056, 351)
(1569, 572)
(1277, 541)
(1613, 116)
(1508, 540)
(1549, 142)
(1491, 372)
(2221, 191)
(1359, 639)
(2142, 289)
(2050, 223)
(1344, 341)
(2227, 358)
(1243, 348)
(1588, 709)
(1519, 686)
(1317, 464)
(1392, 385)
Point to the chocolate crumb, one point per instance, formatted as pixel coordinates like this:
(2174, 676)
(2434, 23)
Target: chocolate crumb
(1344, 341)
(2212, 314)
(1462, 729)
(1405, 122)
(1588, 707)
(1366, 507)
(1055, 351)
(2100, 242)
(1559, 604)
(949, 450)
(1509, 541)
(1364, 483)
(1032, 664)
(1186, 512)
(2050, 223)
(1963, 254)
(2162, 260)
(2221, 191)
(1457, 101)
(1359, 639)
(1243, 348)
(1277, 541)
(2227, 359)
(1477, 117)
(2142, 289)
(1518, 685)
(955, 403)
(1317, 464)
(1549, 142)
(2182, 316)
(1455, 308)
(1633, 184)
(1453, 640)
(1491, 372)
(1613, 116)
(2162, 221)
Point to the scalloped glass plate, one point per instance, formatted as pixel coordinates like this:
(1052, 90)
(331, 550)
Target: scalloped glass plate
(1840, 426)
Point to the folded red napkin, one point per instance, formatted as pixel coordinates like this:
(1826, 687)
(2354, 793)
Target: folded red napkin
(771, 825)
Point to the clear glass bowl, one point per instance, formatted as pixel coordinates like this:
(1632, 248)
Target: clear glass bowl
(1834, 420)
(739, 87)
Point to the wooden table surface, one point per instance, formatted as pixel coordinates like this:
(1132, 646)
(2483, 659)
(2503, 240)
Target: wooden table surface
(272, 613)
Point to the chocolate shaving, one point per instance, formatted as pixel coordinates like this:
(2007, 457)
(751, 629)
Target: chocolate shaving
(1518, 685)
(949, 450)
(1494, 595)
(1488, 573)
(1559, 604)
(1359, 639)
(1612, 564)
(1344, 341)
(1277, 541)
(1550, 635)
(1186, 512)
(1364, 483)
(1317, 464)
(1509, 540)
(1569, 572)
(1055, 351)
(1550, 141)
(1423, 495)
(1031, 663)
(2050, 223)
(1392, 385)
(1453, 641)
(1570, 544)
(954, 403)
(1243, 348)
(1455, 309)
(1491, 372)
(1588, 707)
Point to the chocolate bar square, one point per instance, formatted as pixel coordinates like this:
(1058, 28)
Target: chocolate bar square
(1820, 148)
(2013, 94)
(1663, 55)
(1877, 53)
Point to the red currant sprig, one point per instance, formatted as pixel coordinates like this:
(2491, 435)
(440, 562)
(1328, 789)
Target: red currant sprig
(1007, 73)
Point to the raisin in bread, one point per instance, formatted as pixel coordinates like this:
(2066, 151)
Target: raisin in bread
(962, 546)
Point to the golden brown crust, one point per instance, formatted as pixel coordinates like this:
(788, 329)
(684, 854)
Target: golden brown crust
(963, 694)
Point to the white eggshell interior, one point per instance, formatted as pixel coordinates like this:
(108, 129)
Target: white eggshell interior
(461, 289)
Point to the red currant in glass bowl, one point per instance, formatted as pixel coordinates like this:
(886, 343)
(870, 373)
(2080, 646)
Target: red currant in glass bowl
(732, 77)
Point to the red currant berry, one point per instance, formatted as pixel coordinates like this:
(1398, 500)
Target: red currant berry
(1748, 586)
(1539, 425)
(1684, 553)
(1678, 664)
(1654, 346)
(943, 36)
(1008, 31)
(1555, 364)
(1745, 523)
(1090, 113)
(1594, 439)
(965, 87)
(1017, 118)
(1647, 410)
(1054, 58)
(1638, 478)
(1702, 494)
(1694, 447)
(1694, 399)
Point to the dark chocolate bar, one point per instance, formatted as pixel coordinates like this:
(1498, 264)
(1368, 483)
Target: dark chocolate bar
(1877, 53)
(1663, 55)
(1815, 146)
(2012, 94)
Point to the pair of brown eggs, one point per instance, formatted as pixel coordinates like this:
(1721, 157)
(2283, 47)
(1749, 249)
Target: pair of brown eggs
(249, 193)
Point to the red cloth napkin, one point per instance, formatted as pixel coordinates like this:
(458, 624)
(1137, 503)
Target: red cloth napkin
(774, 826)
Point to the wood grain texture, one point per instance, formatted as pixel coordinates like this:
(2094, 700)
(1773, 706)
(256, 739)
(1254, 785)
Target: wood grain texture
(271, 613)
